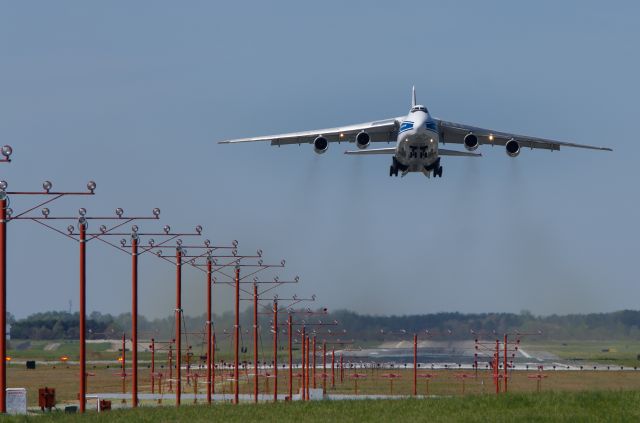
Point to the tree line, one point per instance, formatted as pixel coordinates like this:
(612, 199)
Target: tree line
(621, 325)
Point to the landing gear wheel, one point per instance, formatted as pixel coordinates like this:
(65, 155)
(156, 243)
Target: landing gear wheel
(438, 172)
(390, 170)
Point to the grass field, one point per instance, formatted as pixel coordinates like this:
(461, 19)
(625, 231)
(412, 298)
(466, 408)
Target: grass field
(106, 377)
(444, 383)
(547, 407)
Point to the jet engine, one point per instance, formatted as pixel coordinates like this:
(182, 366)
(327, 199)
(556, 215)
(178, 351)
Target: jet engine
(320, 145)
(471, 142)
(363, 140)
(513, 148)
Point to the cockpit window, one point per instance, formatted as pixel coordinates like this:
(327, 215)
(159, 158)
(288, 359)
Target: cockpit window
(419, 109)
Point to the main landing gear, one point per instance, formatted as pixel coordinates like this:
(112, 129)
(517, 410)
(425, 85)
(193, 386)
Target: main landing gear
(435, 168)
(395, 167)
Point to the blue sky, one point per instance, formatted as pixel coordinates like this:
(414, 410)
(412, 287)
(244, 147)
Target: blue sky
(135, 96)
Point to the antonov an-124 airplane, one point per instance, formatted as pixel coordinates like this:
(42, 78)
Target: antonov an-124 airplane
(418, 137)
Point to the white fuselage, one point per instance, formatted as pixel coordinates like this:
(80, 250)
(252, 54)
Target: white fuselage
(417, 144)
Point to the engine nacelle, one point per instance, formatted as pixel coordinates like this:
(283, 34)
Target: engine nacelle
(320, 145)
(363, 140)
(513, 148)
(471, 142)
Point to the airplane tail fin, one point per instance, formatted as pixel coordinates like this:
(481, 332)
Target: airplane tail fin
(413, 96)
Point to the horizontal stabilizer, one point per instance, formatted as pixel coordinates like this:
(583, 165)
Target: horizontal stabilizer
(388, 150)
(445, 152)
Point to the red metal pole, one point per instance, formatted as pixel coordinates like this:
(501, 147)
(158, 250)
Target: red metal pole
(255, 342)
(313, 371)
(496, 363)
(213, 363)
(333, 367)
(415, 365)
(275, 351)
(83, 313)
(236, 370)
(3, 302)
(341, 368)
(124, 361)
(324, 367)
(209, 324)
(289, 325)
(504, 370)
(302, 372)
(170, 366)
(153, 366)
(308, 365)
(134, 321)
(178, 324)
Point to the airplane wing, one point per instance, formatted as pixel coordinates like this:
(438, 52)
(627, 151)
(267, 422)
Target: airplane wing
(445, 152)
(388, 150)
(380, 131)
(392, 150)
(452, 132)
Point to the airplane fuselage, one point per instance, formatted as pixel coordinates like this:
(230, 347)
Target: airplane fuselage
(417, 143)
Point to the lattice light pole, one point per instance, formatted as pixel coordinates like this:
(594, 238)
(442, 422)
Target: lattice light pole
(305, 342)
(256, 268)
(135, 249)
(83, 237)
(256, 298)
(207, 253)
(278, 307)
(6, 215)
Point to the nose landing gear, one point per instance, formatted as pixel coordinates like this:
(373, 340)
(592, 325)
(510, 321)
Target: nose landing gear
(437, 172)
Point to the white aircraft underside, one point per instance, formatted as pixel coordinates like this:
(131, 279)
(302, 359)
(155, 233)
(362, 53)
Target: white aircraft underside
(418, 137)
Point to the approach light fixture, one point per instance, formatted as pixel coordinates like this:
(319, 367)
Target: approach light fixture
(91, 186)
(46, 185)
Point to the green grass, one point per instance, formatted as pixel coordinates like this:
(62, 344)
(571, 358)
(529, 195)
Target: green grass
(546, 407)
